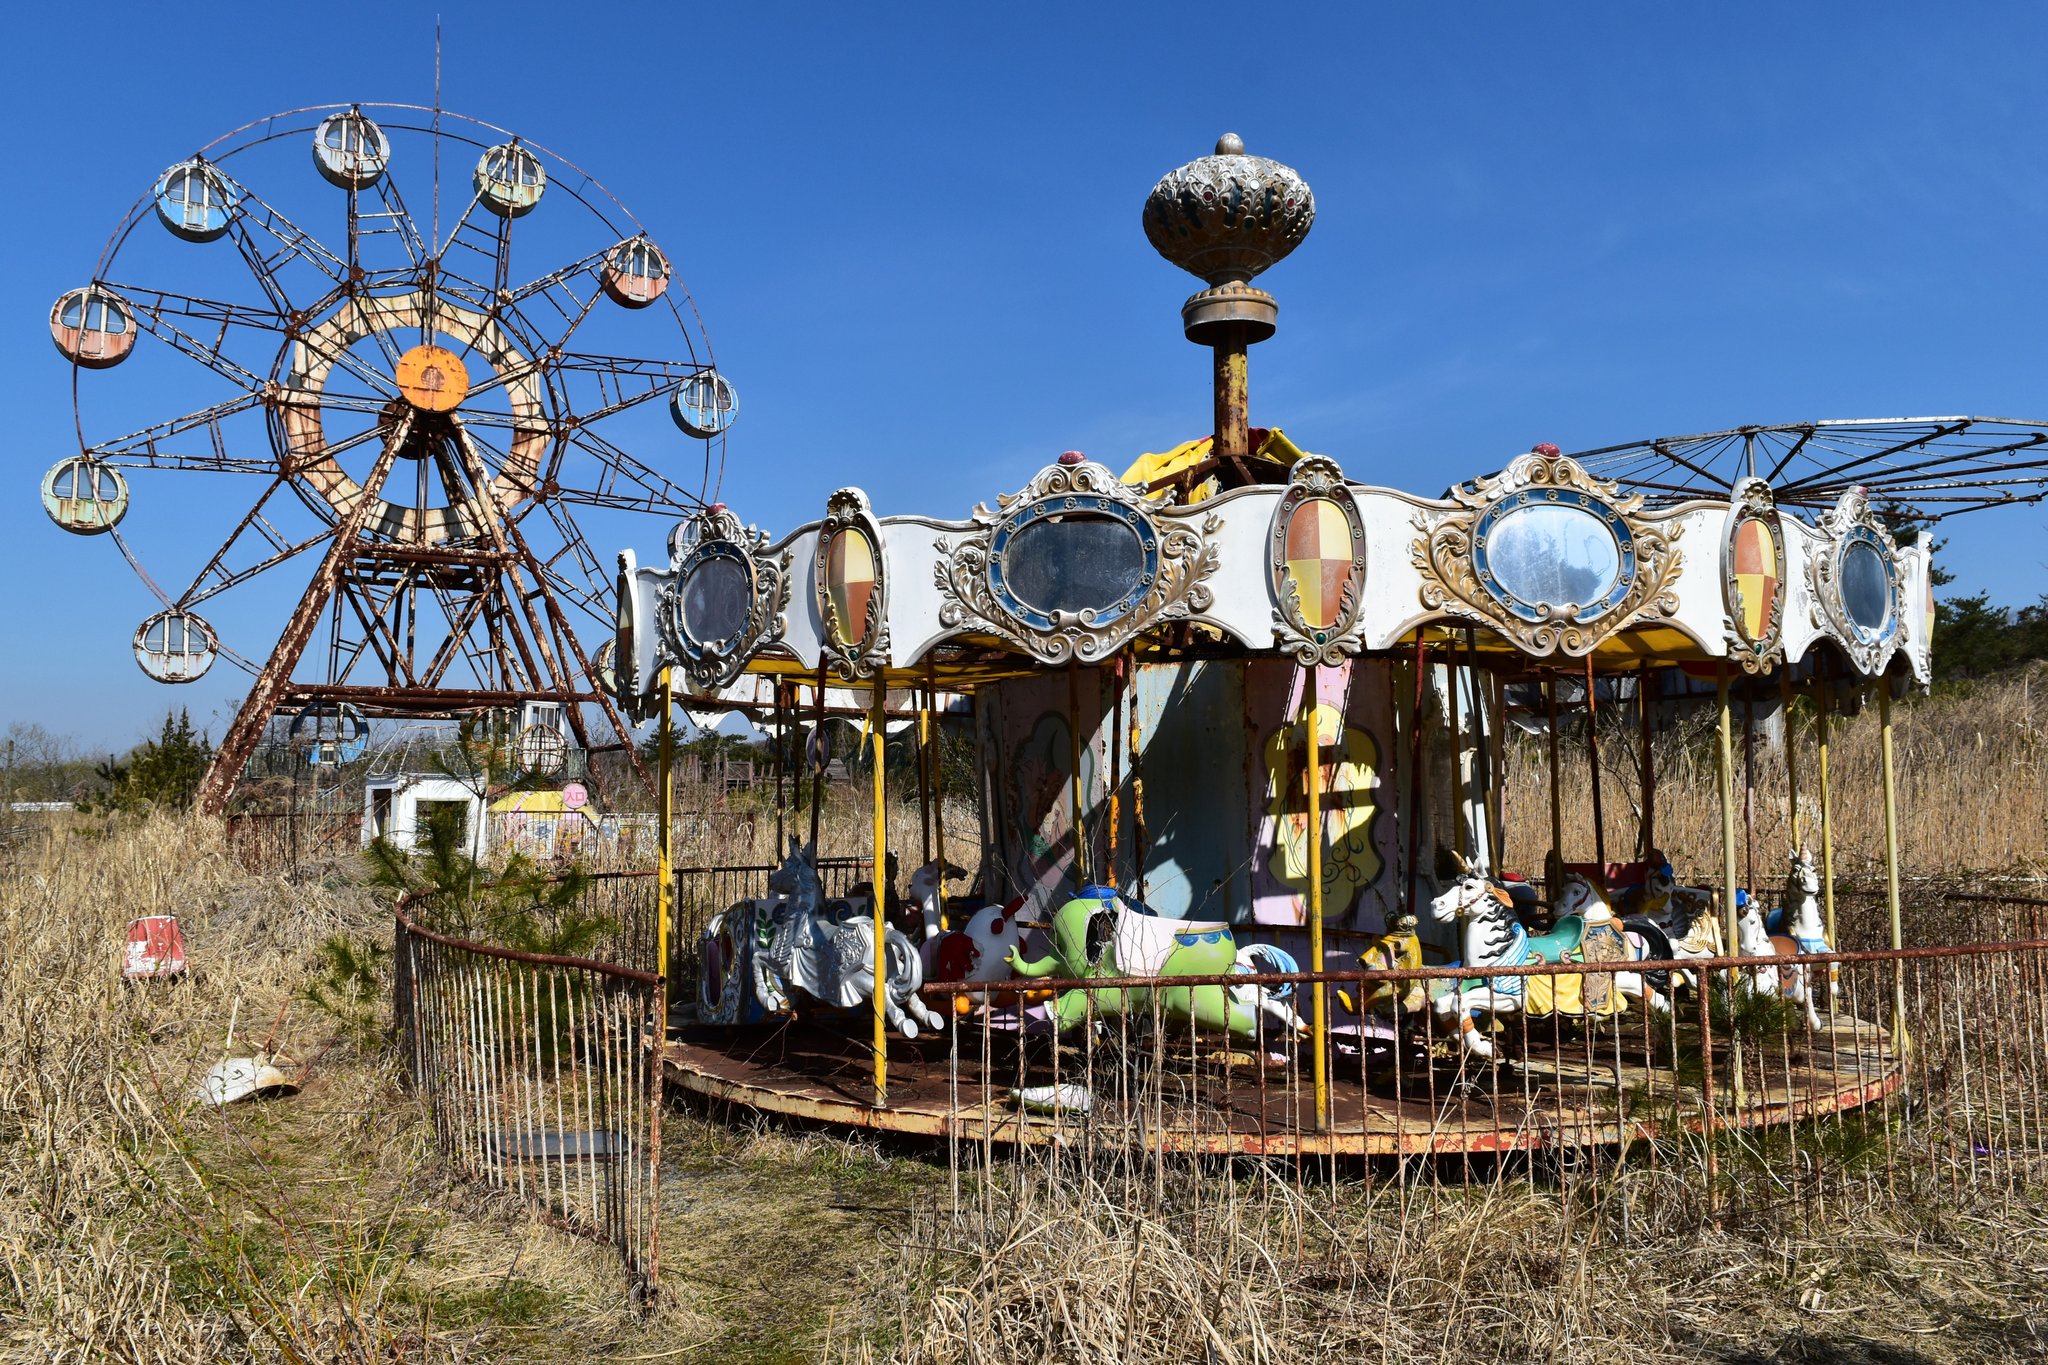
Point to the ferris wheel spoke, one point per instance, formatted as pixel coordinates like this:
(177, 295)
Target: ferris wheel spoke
(621, 383)
(146, 449)
(591, 593)
(390, 219)
(217, 577)
(156, 309)
(621, 476)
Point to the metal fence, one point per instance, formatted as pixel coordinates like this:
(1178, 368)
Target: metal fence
(1921, 1066)
(543, 1075)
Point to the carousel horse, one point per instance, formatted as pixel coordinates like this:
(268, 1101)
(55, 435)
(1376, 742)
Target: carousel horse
(1107, 938)
(1797, 927)
(1583, 898)
(1686, 917)
(1753, 939)
(928, 893)
(1272, 1000)
(1493, 937)
(791, 942)
(1397, 950)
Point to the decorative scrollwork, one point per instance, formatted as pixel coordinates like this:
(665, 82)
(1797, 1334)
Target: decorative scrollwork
(1322, 630)
(851, 571)
(1154, 570)
(1451, 553)
(1851, 524)
(728, 597)
(1753, 577)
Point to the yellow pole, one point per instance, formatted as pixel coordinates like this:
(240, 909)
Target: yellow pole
(1553, 877)
(1827, 806)
(665, 875)
(1791, 752)
(938, 762)
(1891, 860)
(1724, 767)
(877, 714)
(1315, 900)
(1074, 747)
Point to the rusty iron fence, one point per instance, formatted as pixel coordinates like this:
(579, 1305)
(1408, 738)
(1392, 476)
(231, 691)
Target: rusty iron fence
(543, 1077)
(1921, 1067)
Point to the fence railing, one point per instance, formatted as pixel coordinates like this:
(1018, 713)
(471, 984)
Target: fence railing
(543, 1077)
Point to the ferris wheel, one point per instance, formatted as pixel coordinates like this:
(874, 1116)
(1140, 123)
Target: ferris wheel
(407, 416)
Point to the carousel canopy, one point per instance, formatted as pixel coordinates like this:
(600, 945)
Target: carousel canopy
(1542, 560)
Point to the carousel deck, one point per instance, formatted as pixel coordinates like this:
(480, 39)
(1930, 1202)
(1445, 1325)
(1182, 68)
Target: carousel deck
(1563, 1091)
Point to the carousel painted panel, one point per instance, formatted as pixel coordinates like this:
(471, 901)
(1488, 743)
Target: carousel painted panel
(1753, 576)
(1355, 722)
(1028, 740)
(1191, 723)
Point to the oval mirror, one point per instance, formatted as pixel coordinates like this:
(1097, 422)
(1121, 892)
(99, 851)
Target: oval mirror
(1554, 553)
(1753, 578)
(1074, 563)
(715, 599)
(1866, 588)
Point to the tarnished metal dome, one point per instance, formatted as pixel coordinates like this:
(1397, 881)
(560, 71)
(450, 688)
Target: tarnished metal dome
(1229, 216)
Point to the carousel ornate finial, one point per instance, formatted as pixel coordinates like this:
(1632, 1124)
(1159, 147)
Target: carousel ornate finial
(1227, 218)
(1072, 457)
(1546, 450)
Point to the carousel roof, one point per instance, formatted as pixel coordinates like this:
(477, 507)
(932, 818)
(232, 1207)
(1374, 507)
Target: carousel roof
(1545, 562)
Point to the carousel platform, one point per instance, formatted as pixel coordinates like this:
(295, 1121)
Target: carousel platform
(1563, 1090)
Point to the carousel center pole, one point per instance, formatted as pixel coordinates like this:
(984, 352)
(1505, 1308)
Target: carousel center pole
(1315, 896)
(665, 867)
(877, 713)
(1891, 860)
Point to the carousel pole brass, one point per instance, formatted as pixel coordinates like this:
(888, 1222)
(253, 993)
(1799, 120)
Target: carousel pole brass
(1724, 770)
(818, 777)
(1593, 763)
(1791, 754)
(1827, 805)
(1553, 874)
(1315, 896)
(1074, 750)
(931, 692)
(1649, 766)
(1891, 860)
(665, 876)
(877, 714)
(924, 779)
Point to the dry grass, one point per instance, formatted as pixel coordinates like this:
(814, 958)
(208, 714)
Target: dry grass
(1972, 768)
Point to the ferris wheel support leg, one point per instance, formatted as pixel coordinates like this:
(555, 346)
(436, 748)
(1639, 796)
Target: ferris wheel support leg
(247, 727)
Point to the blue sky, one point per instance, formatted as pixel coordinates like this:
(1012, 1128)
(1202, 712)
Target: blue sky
(913, 235)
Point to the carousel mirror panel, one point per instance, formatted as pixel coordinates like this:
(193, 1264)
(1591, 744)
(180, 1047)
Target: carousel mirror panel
(1318, 564)
(1753, 576)
(850, 582)
(726, 600)
(1855, 583)
(1075, 565)
(1554, 560)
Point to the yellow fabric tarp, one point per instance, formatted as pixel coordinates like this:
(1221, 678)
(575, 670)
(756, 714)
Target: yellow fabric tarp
(1151, 468)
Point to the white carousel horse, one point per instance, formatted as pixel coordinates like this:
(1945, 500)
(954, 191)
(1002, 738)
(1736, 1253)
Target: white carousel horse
(1752, 939)
(1801, 930)
(1492, 936)
(928, 893)
(796, 945)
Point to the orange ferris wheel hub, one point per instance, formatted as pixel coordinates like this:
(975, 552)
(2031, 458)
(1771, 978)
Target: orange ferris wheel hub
(433, 378)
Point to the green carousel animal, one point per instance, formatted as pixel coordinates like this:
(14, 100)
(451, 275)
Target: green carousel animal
(1101, 938)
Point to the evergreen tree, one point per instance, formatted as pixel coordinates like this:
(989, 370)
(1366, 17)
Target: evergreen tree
(164, 772)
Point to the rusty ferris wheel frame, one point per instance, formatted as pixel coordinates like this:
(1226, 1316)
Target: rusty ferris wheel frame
(451, 592)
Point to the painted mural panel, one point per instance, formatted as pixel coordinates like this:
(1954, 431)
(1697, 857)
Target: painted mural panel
(1032, 758)
(1355, 717)
(1192, 742)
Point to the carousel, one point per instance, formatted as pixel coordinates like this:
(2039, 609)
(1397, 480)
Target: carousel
(1241, 878)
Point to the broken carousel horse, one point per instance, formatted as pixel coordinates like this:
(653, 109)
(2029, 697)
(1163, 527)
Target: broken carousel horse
(1105, 938)
(979, 950)
(760, 951)
(1491, 936)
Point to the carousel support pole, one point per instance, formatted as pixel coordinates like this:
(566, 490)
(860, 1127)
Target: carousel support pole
(1791, 755)
(877, 715)
(1724, 771)
(1496, 772)
(1074, 749)
(1749, 786)
(924, 782)
(1553, 872)
(1891, 860)
(781, 760)
(1315, 896)
(1115, 752)
(1461, 790)
(818, 777)
(1593, 762)
(1139, 847)
(1413, 815)
(1649, 765)
(665, 865)
(1827, 811)
(931, 692)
